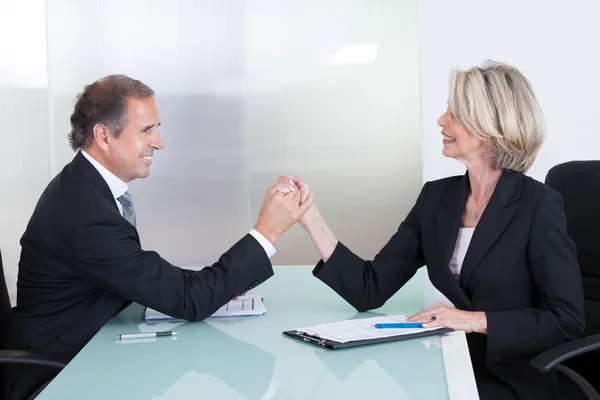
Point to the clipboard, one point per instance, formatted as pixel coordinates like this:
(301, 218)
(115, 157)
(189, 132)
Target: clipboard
(333, 345)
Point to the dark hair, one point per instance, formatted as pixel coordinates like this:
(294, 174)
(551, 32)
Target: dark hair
(104, 102)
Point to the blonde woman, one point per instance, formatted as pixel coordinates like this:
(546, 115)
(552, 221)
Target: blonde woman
(494, 240)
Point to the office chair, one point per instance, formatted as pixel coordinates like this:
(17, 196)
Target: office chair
(578, 182)
(8, 356)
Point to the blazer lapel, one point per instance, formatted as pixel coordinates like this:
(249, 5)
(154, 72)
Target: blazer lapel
(494, 220)
(448, 218)
(447, 224)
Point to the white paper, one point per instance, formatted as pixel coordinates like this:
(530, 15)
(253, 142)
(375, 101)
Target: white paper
(244, 306)
(352, 330)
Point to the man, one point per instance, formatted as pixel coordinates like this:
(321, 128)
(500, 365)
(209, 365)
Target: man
(82, 262)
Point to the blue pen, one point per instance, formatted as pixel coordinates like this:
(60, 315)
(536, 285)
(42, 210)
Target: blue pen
(400, 325)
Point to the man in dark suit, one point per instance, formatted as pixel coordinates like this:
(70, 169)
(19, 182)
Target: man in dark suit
(82, 261)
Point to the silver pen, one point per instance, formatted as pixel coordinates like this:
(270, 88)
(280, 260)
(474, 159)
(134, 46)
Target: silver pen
(144, 335)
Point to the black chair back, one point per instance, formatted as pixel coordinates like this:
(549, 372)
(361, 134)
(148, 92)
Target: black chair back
(579, 184)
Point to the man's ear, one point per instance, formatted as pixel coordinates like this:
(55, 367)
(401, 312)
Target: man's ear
(101, 136)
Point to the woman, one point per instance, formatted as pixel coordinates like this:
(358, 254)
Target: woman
(494, 240)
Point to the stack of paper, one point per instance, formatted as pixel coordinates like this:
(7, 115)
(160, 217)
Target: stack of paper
(244, 306)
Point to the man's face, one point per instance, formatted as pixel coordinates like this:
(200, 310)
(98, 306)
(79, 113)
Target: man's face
(130, 154)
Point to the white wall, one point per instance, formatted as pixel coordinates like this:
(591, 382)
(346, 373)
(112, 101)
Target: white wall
(25, 160)
(556, 44)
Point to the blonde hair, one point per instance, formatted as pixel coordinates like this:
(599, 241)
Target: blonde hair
(496, 103)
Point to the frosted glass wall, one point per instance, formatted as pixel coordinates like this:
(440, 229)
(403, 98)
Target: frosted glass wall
(247, 90)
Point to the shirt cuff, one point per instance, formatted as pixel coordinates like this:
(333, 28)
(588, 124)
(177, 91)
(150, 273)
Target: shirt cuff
(269, 249)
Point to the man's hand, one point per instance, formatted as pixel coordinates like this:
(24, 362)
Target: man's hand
(441, 314)
(305, 193)
(281, 208)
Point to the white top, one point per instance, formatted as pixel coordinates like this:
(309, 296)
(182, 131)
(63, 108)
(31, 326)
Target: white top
(118, 188)
(460, 250)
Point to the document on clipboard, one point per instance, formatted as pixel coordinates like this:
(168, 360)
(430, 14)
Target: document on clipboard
(244, 306)
(359, 332)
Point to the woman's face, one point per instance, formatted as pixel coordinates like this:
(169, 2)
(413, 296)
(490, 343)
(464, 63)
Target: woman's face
(459, 143)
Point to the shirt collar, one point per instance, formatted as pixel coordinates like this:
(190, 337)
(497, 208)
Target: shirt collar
(117, 187)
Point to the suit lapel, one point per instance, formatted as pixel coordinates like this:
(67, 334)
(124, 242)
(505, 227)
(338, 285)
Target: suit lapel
(493, 222)
(85, 168)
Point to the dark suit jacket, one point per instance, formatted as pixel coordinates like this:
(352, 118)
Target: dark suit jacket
(82, 262)
(520, 268)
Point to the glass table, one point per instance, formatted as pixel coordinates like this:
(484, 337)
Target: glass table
(249, 358)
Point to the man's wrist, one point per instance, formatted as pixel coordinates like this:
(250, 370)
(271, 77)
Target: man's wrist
(270, 234)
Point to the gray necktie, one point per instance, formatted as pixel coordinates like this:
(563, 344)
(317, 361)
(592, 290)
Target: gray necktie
(128, 211)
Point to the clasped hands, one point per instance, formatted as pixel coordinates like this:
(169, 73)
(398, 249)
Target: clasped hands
(287, 201)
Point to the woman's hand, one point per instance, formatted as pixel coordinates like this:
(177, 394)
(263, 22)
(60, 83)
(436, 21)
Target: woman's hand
(312, 211)
(441, 314)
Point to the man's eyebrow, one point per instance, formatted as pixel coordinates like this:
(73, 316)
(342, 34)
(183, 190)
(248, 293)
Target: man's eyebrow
(149, 126)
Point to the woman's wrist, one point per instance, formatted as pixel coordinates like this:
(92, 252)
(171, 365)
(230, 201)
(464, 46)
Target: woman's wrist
(319, 232)
(310, 219)
(481, 322)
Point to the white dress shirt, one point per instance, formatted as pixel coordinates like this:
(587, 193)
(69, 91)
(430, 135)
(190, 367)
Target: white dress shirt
(118, 188)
